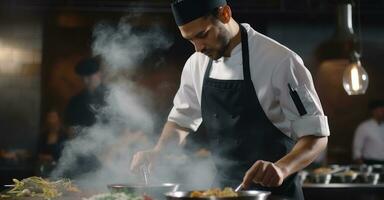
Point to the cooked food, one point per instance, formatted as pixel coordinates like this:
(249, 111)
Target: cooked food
(322, 170)
(216, 192)
(114, 196)
(39, 187)
(349, 173)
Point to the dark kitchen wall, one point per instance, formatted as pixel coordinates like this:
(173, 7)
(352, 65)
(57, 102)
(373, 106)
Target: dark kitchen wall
(20, 73)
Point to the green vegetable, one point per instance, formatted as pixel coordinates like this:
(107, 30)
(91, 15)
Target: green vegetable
(39, 187)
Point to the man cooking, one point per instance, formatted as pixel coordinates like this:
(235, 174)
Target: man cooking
(255, 97)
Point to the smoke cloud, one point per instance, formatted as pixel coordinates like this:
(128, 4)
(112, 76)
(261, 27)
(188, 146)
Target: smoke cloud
(122, 46)
(126, 124)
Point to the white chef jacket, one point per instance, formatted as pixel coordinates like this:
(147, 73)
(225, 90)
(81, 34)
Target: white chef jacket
(272, 67)
(368, 142)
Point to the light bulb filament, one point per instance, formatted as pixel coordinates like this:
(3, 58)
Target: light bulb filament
(355, 79)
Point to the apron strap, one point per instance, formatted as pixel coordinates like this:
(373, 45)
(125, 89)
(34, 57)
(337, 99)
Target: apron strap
(208, 70)
(245, 54)
(245, 57)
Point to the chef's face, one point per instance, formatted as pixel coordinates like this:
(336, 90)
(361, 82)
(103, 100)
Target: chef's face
(208, 35)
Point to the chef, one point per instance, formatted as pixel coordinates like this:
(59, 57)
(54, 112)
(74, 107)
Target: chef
(254, 96)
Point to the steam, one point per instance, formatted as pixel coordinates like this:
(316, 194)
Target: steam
(122, 128)
(122, 47)
(126, 124)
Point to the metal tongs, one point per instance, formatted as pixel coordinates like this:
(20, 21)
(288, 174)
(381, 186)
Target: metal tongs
(9, 185)
(238, 188)
(145, 172)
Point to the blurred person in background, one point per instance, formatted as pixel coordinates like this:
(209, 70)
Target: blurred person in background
(368, 143)
(84, 110)
(51, 142)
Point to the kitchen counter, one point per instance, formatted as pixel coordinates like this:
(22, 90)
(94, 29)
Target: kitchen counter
(343, 185)
(343, 191)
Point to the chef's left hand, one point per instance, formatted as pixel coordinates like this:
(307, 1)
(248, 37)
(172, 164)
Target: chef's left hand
(265, 173)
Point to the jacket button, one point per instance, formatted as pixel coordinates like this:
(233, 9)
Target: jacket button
(215, 115)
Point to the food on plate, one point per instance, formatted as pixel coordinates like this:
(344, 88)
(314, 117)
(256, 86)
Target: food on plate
(227, 192)
(39, 187)
(117, 196)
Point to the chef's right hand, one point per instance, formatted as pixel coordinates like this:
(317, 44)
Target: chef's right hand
(146, 158)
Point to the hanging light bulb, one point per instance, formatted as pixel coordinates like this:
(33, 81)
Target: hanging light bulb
(355, 78)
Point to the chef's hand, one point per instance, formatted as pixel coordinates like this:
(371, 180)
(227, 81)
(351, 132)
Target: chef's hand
(146, 158)
(264, 173)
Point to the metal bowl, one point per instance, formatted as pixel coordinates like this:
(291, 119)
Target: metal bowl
(378, 168)
(319, 178)
(361, 168)
(155, 191)
(370, 178)
(343, 178)
(381, 178)
(242, 195)
(347, 176)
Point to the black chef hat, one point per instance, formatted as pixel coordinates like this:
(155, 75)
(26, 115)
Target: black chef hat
(376, 104)
(88, 66)
(186, 11)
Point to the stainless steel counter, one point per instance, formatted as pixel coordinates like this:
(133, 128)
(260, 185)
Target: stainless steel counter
(342, 185)
(337, 191)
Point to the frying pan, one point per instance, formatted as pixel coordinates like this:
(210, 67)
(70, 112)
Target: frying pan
(242, 195)
(156, 191)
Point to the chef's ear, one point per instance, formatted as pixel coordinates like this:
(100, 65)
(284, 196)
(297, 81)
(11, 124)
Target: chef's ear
(224, 14)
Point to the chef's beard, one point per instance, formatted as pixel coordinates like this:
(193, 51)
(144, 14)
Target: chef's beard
(223, 40)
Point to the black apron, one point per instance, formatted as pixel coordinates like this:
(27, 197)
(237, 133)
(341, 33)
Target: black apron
(239, 131)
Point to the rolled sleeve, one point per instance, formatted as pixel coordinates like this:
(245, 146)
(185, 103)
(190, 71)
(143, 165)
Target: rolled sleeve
(292, 71)
(311, 125)
(186, 111)
(178, 116)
